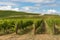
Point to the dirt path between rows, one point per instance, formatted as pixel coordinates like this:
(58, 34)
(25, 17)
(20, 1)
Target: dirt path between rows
(30, 37)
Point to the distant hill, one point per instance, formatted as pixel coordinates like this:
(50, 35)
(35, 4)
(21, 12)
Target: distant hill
(6, 13)
(15, 14)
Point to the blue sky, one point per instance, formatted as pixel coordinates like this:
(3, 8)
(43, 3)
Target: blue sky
(35, 6)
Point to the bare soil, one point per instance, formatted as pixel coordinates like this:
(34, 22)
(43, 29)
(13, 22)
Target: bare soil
(30, 37)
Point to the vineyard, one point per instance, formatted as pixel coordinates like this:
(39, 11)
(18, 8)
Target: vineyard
(24, 26)
(29, 26)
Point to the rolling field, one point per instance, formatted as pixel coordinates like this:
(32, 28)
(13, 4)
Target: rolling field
(21, 26)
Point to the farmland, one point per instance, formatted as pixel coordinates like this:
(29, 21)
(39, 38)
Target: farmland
(20, 24)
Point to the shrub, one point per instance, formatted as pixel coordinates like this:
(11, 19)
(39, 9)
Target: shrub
(8, 27)
(40, 27)
(37, 25)
(24, 26)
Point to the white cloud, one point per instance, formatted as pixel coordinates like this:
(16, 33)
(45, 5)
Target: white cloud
(53, 4)
(29, 9)
(5, 7)
(32, 9)
(26, 9)
(8, 8)
(51, 11)
(35, 1)
(7, 3)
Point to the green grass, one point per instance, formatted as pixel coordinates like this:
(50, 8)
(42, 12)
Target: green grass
(6, 16)
(14, 14)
